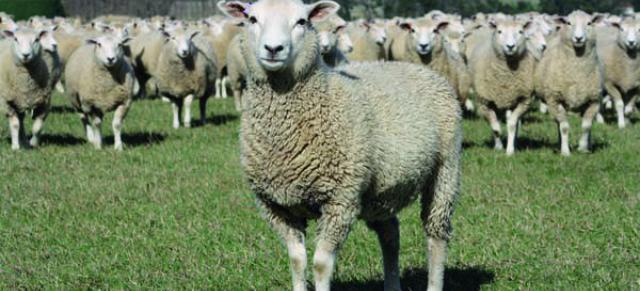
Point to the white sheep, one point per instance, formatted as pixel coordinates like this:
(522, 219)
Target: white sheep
(236, 71)
(27, 76)
(335, 145)
(99, 79)
(368, 39)
(330, 33)
(220, 33)
(569, 76)
(618, 47)
(502, 71)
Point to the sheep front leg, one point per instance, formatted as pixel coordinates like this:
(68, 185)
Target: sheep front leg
(631, 106)
(388, 232)
(543, 108)
(176, 106)
(587, 122)
(187, 110)
(87, 126)
(513, 124)
(492, 118)
(560, 114)
(16, 126)
(39, 116)
(616, 96)
(334, 226)
(437, 205)
(223, 87)
(118, 117)
(218, 88)
(237, 97)
(292, 232)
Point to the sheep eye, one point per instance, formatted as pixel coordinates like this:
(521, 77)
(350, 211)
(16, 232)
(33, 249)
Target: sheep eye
(253, 20)
(302, 22)
(499, 31)
(520, 32)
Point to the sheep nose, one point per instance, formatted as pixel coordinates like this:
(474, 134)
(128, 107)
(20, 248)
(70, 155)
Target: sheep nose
(579, 38)
(274, 49)
(632, 43)
(511, 47)
(543, 47)
(424, 46)
(111, 60)
(26, 56)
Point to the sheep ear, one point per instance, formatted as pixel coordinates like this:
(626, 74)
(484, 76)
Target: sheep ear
(8, 33)
(92, 41)
(560, 20)
(528, 25)
(406, 26)
(194, 34)
(493, 24)
(42, 33)
(596, 19)
(340, 28)
(321, 10)
(234, 9)
(365, 25)
(54, 28)
(441, 26)
(125, 41)
(614, 24)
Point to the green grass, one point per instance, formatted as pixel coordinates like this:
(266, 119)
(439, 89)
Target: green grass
(173, 212)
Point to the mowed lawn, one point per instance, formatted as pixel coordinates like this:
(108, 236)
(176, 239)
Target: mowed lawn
(173, 212)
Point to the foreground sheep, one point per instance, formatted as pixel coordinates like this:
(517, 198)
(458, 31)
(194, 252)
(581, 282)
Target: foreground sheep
(502, 71)
(618, 48)
(27, 77)
(335, 145)
(569, 76)
(98, 80)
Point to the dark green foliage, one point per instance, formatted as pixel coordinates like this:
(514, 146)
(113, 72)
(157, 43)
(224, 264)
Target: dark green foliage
(23, 9)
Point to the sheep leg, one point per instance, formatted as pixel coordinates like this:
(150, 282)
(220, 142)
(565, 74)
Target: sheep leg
(631, 106)
(16, 126)
(543, 108)
(96, 124)
(437, 205)
(468, 104)
(492, 117)
(187, 110)
(334, 226)
(616, 96)
(599, 118)
(560, 114)
(223, 87)
(39, 116)
(59, 87)
(176, 105)
(513, 124)
(203, 110)
(389, 237)
(218, 88)
(292, 232)
(87, 126)
(607, 102)
(118, 117)
(587, 121)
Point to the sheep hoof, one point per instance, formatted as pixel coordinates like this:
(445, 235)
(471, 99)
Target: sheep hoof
(187, 125)
(34, 142)
(119, 147)
(584, 150)
(176, 125)
(566, 153)
(498, 147)
(510, 153)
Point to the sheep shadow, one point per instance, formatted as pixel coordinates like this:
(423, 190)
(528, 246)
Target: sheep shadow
(61, 110)
(61, 139)
(216, 120)
(456, 278)
(138, 139)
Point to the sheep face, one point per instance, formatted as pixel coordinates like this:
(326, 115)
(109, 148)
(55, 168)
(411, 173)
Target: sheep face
(536, 37)
(276, 28)
(425, 34)
(456, 36)
(181, 40)
(509, 36)
(628, 31)
(108, 50)
(578, 28)
(344, 41)
(26, 44)
(377, 31)
(332, 32)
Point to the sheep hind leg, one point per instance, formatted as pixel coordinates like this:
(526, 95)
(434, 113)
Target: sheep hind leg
(492, 117)
(587, 122)
(187, 110)
(118, 117)
(631, 106)
(203, 110)
(87, 127)
(176, 106)
(39, 116)
(388, 232)
(96, 124)
(560, 114)
(616, 96)
(513, 124)
(437, 206)
(292, 232)
(223, 87)
(334, 226)
(16, 126)
(218, 88)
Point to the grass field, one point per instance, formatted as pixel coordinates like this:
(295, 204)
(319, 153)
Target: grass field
(173, 212)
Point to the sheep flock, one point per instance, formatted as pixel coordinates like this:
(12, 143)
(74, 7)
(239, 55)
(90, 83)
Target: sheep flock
(341, 120)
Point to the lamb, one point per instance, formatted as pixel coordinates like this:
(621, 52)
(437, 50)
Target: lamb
(330, 32)
(317, 143)
(183, 72)
(502, 72)
(99, 79)
(27, 76)
(368, 40)
(422, 43)
(573, 49)
(617, 49)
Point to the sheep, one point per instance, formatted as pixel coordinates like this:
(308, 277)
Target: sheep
(220, 34)
(183, 72)
(618, 52)
(7, 23)
(236, 71)
(99, 79)
(502, 72)
(330, 32)
(368, 40)
(27, 75)
(422, 43)
(334, 145)
(569, 76)
(145, 52)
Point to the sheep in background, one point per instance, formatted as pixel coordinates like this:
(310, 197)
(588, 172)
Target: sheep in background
(569, 76)
(502, 70)
(330, 32)
(368, 39)
(7, 23)
(26, 80)
(237, 70)
(365, 163)
(99, 79)
(617, 48)
(220, 32)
